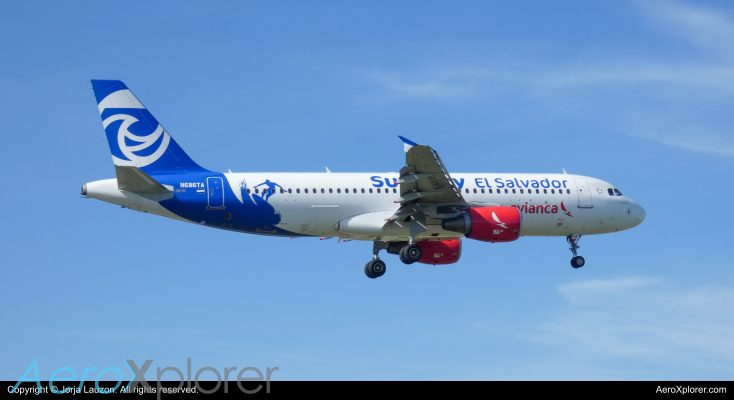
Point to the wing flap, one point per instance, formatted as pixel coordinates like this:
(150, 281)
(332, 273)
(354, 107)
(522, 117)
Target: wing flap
(425, 177)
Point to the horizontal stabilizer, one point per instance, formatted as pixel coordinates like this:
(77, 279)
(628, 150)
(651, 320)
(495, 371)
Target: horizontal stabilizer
(133, 179)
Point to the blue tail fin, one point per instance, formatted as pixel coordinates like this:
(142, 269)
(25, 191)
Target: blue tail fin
(135, 136)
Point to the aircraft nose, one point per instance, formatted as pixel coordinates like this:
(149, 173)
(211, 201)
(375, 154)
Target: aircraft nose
(638, 213)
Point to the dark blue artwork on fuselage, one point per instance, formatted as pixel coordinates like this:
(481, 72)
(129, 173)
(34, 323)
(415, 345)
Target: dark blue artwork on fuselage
(252, 214)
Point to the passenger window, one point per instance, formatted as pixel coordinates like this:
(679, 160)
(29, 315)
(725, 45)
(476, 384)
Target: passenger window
(290, 191)
(467, 190)
(337, 190)
(490, 191)
(568, 191)
(299, 190)
(553, 191)
(304, 191)
(513, 191)
(362, 191)
(314, 191)
(331, 191)
(370, 190)
(322, 190)
(378, 190)
(617, 192)
(256, 190)
(355, 190)
(545, 191)
(482, 191)
(281, 190)
(475, 191)
(394, 190)
(506, 191)
(248, 191)
(537, 191)
(521, 192)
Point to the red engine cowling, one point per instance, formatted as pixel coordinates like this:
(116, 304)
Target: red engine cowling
(487, 224)
(440, 252)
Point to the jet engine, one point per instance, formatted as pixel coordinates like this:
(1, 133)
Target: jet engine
(435, 252)
(487, 224)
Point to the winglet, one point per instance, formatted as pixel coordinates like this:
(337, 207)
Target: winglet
(407, 144)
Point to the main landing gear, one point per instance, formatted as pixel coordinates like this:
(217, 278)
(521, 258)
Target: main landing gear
(410, 253)
(577, 261)
(376, 268)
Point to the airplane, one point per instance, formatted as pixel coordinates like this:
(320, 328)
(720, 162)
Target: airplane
(420, 213)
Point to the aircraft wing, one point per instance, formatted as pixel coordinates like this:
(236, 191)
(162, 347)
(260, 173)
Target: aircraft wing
(424, 179)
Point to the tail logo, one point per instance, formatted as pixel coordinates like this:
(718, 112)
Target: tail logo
(144, 142)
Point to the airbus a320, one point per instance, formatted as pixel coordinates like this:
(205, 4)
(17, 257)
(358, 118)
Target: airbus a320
(420, 213)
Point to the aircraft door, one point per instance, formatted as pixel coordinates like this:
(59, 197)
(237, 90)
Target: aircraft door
(584, 192)
(215, 192)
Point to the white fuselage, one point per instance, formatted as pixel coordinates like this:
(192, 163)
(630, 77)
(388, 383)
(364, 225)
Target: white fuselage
(356, 205)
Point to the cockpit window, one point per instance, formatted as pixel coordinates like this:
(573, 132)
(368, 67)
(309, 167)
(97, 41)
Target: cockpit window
(617, 192)
(610, 191)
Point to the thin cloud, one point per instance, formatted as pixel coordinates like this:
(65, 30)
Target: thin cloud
(644, 320)
(693, 138)
(709, 28)
(662, 100)
(435, 88)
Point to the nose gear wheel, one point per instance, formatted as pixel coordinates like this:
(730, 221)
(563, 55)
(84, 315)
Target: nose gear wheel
(577, 261)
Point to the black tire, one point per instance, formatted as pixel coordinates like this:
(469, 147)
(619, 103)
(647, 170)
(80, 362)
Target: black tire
(401, 253)
(578, 262)
(412, 253)
(378, 268)
(368, 270)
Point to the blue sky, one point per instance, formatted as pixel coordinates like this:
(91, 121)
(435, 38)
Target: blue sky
(635, 93)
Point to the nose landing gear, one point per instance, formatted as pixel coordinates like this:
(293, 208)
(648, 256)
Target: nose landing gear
(577, 261)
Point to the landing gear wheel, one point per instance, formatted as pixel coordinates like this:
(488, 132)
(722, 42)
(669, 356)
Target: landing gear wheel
(578, 262)
(401, 253)
(375, 269)
(368, 270)
(412, 253)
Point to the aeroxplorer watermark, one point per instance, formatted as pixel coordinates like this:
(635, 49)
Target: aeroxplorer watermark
(68, 383)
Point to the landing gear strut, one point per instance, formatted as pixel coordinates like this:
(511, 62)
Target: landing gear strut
(577, 261)
(411, 252)
(376, 268)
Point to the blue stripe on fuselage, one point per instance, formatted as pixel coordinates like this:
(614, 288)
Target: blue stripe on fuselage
(253, 215)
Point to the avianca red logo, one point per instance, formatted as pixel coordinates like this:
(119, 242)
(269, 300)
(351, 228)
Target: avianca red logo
(542, 209)
(565, 211)
(497, 220)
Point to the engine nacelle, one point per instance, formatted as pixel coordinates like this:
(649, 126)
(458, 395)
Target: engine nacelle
(487, 224)
(435, 252)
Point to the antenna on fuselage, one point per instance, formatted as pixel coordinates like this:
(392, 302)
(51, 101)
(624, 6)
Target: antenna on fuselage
(564, 171)
(327, 170)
